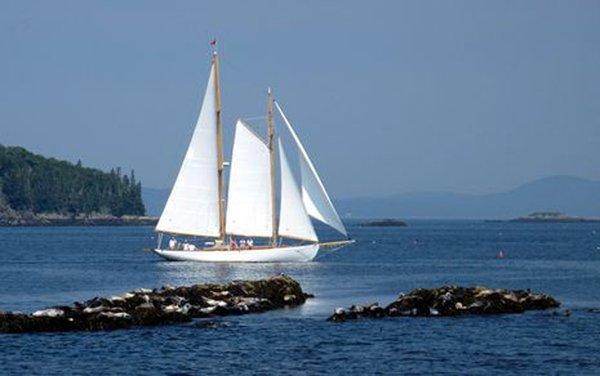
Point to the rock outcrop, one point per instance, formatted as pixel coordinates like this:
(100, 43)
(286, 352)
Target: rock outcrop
(388, 222)
(167, 305)
(451, 301)
(13, 218)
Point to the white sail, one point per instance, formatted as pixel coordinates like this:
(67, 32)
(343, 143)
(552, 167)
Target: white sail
(193, 205)
(294, 222)
(315, 197)
(249, 196)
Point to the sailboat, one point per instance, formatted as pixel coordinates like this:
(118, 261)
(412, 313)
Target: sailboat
(196, 205)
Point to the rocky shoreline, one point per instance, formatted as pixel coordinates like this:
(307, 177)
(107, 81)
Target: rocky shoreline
(451, 301)
(12, 218)
(167, 305)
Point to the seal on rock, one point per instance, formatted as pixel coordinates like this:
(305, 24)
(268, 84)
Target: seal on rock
(169, 305)
(452, 301)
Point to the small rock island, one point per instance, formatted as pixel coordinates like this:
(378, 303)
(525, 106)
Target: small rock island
(167, 305)
(451, 301)
(388, 222)
(552, 217)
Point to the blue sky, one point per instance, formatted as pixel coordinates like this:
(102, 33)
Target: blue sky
(388, 97)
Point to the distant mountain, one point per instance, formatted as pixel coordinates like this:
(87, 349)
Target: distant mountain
(565, 194)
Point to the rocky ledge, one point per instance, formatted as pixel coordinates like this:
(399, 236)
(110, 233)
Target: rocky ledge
(13, 218)
(451, 301)
(166, 305)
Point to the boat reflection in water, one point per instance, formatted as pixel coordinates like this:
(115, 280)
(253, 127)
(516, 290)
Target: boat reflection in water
(189, 272)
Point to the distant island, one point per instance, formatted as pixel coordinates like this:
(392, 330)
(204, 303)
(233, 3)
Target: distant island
(552, 217)
(388, 222)
(40, 191)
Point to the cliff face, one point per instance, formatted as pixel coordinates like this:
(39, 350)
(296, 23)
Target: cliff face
(32, 186)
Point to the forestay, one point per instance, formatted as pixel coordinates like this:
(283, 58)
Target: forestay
(193, 205)
(248, 200)
(315, 197)
(294, 222)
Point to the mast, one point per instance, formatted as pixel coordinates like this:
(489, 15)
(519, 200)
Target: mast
(315, 197)
(215, 61)
(271, 138)
(195, 204)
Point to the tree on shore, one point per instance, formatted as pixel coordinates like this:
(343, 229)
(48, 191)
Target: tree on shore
(30, 182)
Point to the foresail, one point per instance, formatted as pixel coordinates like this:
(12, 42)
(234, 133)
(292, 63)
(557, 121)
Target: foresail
(248, 199)
(294, 221)
(315, 197)
(193, 205)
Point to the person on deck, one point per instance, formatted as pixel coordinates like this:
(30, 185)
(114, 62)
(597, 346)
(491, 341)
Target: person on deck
(242, 243)
(232, 243)
(172, 243)
(250, 243)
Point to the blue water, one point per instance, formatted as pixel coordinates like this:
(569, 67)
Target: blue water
(46, 266)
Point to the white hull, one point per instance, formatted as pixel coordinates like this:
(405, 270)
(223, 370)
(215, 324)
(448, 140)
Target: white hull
(301, 253)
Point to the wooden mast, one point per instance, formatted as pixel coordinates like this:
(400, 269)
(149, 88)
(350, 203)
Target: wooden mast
(271, 138)
(215, 61)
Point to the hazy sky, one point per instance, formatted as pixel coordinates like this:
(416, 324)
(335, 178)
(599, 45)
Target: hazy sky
(396, 96)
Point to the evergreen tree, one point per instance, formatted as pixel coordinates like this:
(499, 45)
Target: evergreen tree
(30, 182)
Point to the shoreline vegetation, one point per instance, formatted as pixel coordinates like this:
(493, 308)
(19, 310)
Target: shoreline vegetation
(40, 191)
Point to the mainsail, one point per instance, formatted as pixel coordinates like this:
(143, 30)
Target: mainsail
(294, 222)
(315, 197)
(193, 205)
(248, 199)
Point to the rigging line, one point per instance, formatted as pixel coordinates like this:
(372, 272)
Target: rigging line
(254, 118)
(251, 129)
(232, 66)
(325, 252)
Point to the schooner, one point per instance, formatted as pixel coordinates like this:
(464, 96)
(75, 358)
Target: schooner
(196, 205)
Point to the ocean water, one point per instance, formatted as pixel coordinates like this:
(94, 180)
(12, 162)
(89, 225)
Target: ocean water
(46, 266)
